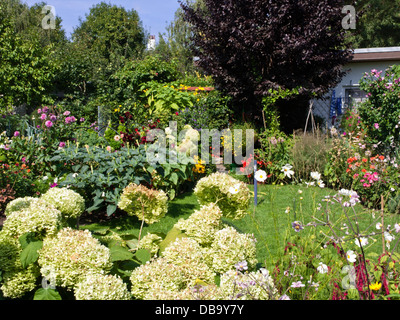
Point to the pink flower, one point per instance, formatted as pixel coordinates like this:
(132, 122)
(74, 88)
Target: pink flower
(48, 124)
(39, 111)
(376, 125)
(62, 144)
(45, 109)
(43, 116)
(66, 113)
(53, 117)
(70, 119)
(16, 134)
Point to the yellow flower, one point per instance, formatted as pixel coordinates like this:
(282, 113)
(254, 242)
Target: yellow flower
(375, 286)
(199, 168)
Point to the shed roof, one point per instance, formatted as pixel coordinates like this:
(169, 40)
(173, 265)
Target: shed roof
(376, 54)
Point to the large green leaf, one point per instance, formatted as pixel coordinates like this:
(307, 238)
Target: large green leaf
(171, 236)
(46, 294)
(143, 255)
(30, 254)
(111, 209)
(119, 253)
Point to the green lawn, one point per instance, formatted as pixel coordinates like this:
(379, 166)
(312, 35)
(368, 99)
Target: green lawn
(269, 222)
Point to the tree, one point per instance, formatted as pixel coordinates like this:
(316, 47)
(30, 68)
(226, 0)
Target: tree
(27, 68)
(377, 24)
(176, 43)
(27, 22)
(251, 47)
(109, 35)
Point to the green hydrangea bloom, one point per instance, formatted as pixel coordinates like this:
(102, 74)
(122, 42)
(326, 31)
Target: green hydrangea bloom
(40, 218)
(150, 242)
(230, 247)
(231, 195)
(158, 275)
(256, 285)
(10, 248)
(202, 224)
(189, 256)
(101, 287)
(70, 203)
(18, 204)
(147, 204)
(19, 281)
(71, 255)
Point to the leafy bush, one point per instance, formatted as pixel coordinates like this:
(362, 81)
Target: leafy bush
(135, 73)
(380, 113)
(100, 175)
(274, 152)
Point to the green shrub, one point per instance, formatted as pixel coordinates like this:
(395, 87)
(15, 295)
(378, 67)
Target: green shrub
(274, 152)
(380, 113)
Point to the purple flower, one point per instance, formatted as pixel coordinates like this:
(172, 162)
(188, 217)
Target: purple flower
(62, 144)
(297, 284)
(82, 119)
(53, 185)
(45, 109)
(296, 225)
(16, 134)
(53, 117)
(240, 266)
(48, 124)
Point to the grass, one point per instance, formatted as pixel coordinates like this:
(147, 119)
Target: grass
(268, 221)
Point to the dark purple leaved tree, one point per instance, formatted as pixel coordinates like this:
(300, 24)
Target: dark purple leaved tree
(251, 46)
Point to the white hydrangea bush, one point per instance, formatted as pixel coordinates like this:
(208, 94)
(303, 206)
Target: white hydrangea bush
(202, 224)
(70, 203)
(18, 204)
(10, 248)
(157, 275)
(101, 287)
(255, 285)
(229, 248)
(231, 195)
(39, 217)
(71, 255)
(187, 254)
(18, 282)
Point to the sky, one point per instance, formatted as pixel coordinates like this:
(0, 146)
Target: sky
(154, 14)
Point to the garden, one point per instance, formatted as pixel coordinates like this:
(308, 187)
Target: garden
(157, 186)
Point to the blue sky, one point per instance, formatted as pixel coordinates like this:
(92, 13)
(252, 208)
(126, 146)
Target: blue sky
(154, 14)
